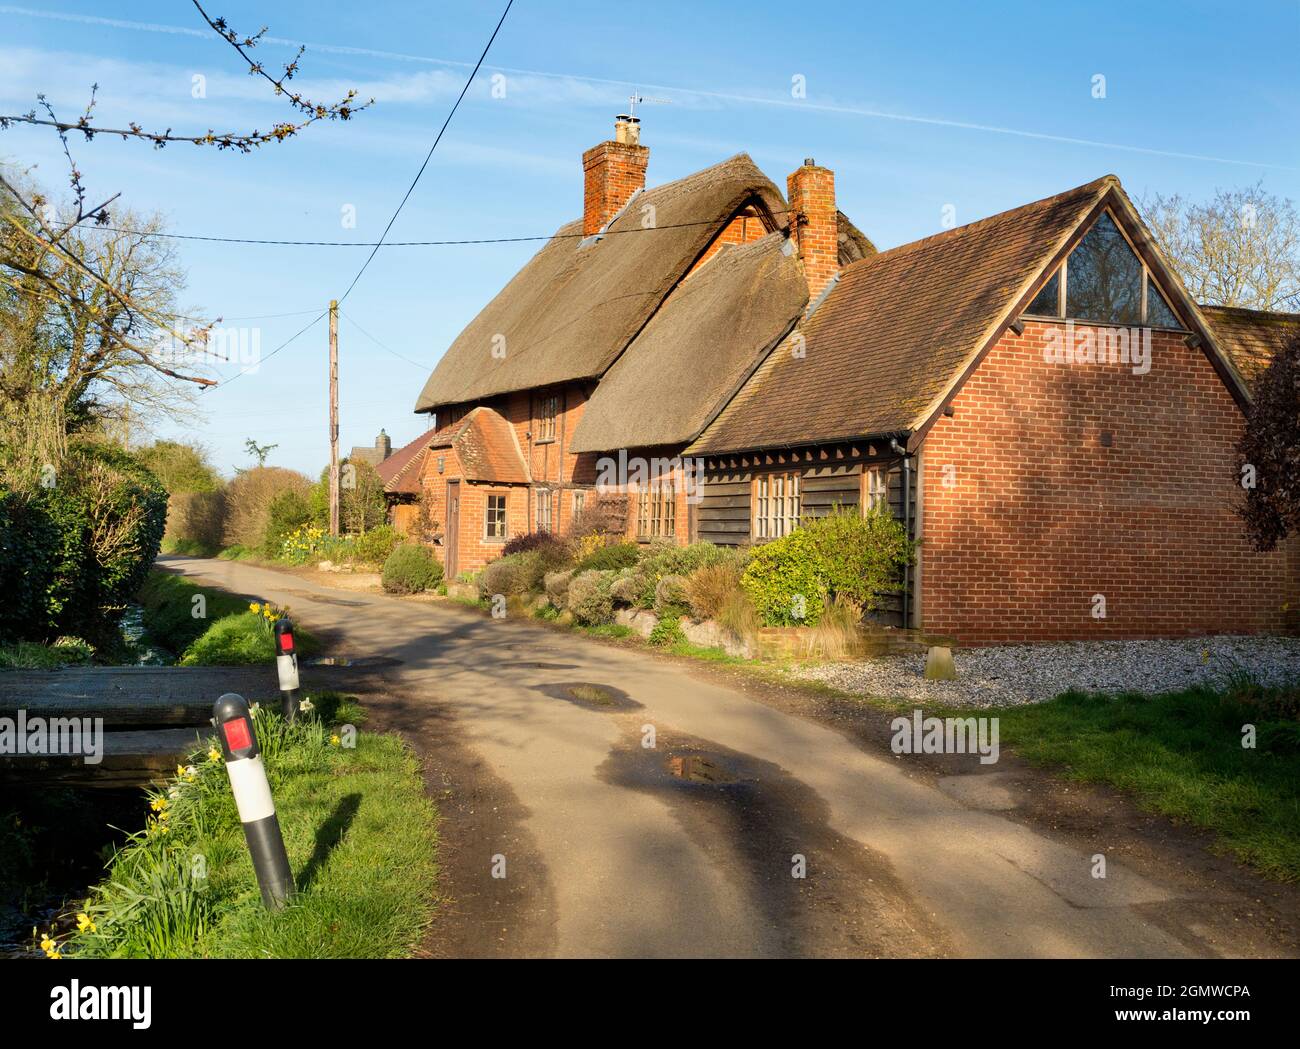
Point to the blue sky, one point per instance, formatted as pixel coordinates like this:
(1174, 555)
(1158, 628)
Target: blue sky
(978, 106)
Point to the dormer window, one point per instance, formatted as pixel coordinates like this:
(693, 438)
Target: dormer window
(1104, 281)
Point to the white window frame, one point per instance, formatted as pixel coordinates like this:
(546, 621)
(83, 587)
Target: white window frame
(778, 504)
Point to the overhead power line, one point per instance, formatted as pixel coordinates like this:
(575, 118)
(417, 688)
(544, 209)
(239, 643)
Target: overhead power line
(429, 156)
(412, 243)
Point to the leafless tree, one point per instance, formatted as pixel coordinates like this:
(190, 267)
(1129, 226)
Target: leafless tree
(1241, 248)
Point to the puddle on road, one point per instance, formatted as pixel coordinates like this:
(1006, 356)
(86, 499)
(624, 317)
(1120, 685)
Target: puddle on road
(699, 768)
(590, 695)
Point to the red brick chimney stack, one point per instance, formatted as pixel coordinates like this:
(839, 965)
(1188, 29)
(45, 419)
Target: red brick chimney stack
(813, 225)
(611, 173)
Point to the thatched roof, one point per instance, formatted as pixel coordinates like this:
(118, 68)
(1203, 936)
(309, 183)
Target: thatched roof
(1251, 337)
(900, 328)
(695, 351)
(569, 313)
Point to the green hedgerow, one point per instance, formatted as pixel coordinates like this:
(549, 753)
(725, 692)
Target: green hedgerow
(411, 569)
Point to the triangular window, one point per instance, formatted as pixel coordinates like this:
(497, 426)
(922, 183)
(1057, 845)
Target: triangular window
(1104, 281)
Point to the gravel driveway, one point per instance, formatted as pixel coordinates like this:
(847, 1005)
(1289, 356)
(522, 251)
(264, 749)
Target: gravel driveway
(1029, 673)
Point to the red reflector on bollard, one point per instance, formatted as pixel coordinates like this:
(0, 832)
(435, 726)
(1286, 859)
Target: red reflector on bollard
(237, 737)
(286, 642)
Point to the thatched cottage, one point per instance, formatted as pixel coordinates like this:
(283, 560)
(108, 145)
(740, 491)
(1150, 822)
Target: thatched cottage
(1035, 395)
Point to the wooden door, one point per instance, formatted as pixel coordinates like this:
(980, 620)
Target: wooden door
(452, 551)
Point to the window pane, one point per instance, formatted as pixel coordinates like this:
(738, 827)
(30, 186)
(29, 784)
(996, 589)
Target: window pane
(1047, 303)
(1159, 315)
(1104, 278)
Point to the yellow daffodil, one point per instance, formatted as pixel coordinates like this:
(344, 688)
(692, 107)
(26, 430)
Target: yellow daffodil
(254, 608)
(85, 924)
(46, 943)
(158, 804)
(334, 740)
(214, 754)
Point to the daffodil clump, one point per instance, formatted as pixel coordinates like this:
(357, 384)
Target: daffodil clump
(267, 613)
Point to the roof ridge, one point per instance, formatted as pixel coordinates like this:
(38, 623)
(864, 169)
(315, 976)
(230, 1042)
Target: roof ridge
(913, 245)
(1283, 315)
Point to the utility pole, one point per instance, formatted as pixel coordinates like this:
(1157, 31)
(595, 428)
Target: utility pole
(334, 417)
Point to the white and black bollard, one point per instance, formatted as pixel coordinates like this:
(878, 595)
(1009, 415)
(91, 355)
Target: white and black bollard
(234, 724)
(286, 665)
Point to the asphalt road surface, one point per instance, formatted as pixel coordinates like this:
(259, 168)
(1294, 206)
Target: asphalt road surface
(603, 801)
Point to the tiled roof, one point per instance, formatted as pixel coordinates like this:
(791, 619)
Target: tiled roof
(1251, 337)
(487, 446)
(896, 330)
(400, 472)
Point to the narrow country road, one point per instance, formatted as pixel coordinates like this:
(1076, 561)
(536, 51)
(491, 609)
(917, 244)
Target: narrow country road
(690, 846)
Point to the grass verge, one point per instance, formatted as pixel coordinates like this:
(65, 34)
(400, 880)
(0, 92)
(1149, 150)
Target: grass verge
(1181, 754)
(226, 634)
(359, 830)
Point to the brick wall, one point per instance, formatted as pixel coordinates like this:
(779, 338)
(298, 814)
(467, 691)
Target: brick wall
(746, 226)
(1028, 512)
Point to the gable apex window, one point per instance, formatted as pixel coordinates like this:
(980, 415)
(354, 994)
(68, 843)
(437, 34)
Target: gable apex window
(1104, 281)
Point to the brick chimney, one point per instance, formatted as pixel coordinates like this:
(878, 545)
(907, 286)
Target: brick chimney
(611, 173)
(813, 225)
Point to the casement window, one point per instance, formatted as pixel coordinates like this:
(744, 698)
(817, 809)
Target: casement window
(494, 521)
(777, 505)
(579, 502)
(548, 409)
(544, 502)
(875, 490)
(1103, 280)
(656, 511)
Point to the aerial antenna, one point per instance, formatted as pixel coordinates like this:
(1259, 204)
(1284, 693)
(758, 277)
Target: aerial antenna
(636, 99)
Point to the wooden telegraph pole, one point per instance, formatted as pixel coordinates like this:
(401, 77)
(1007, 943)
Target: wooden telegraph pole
(334, 417)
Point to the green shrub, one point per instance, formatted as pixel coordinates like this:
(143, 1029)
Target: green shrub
(670, 597)
(374, 546)
(626, 588)
(664, 559)
(556, 585)
(513, 575)
(590, 600)
(846, 555)
(667, 632)
(288, 512)
(613, 556)
(411, 569)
